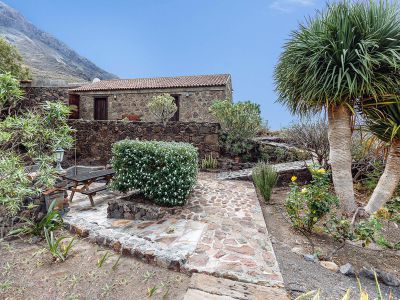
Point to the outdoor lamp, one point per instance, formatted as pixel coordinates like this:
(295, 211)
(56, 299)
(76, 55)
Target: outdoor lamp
(59, 154)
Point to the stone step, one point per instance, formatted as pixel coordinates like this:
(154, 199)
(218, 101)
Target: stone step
(206, 287)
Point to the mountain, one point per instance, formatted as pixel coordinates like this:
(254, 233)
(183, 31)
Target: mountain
(49, 59)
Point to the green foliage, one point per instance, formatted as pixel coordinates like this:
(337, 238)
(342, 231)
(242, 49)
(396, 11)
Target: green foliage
(383, 117)
(103, 259)
(57, 250)
(339, 228)
(308, 204)
(164, 172)
(51, 221)
(31, 137)
(366, 230)
(347, 52)
(162, 107)
(272, 154)
(10, 93)
(265, 178)
(11, 61)
(240, 122)
(209, 162)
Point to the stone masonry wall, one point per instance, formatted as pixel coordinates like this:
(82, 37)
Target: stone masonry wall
(194, 103)
(95, 138)
(36, 95)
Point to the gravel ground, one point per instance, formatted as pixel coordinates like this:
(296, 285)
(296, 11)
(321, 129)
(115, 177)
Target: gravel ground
(27, 271)
(301, 276)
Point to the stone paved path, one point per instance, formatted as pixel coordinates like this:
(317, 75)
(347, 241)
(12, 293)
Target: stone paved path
(205, 287)
(221, 232)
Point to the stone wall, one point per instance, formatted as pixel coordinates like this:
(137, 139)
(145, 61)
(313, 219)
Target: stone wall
(194, 103)
(37, 95)
(95, 138)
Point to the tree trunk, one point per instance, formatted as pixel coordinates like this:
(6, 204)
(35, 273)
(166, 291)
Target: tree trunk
(389, 180)
(339, 134)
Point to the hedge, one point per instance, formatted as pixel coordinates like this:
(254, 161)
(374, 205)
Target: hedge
(165, 172)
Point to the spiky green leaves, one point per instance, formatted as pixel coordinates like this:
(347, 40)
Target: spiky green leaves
(349, 51)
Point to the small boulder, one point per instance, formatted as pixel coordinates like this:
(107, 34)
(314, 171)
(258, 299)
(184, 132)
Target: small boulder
(347, 270)
(330, 265)
(298, 250)
(389, 279)
(311, 258)
(367, 273)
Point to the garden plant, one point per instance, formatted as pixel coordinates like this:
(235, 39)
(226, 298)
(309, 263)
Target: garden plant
(164, 172)
(162, 107)
(348, 53)
(240, 122)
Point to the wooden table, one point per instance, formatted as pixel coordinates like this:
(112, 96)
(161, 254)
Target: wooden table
(85, 180)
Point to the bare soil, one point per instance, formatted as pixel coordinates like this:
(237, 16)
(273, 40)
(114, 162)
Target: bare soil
(300, 275)
(28, 271)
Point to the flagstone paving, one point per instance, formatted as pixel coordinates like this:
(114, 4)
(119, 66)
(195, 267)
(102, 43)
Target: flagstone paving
(220, 232)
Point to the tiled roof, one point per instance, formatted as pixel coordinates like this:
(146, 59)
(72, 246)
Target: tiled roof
(154, 83)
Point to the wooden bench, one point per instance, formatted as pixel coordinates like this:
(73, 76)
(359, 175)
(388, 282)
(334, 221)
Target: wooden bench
(93, 192)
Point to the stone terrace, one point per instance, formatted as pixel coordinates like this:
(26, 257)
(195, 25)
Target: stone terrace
(221, 232)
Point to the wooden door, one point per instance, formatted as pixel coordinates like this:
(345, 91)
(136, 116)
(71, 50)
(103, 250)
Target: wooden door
(100, 108)
(73, 103)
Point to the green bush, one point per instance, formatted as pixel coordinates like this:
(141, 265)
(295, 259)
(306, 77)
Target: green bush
(240, 122)
(164, 172)
(306, 205)
(265, 178)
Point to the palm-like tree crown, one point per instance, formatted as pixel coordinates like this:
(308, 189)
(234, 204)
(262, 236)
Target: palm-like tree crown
(348, 52)
(383, 119)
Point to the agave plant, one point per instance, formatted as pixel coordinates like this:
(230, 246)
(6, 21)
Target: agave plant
(383, 120)
(350, 51)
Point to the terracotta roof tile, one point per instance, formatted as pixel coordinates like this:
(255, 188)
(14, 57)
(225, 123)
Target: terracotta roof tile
(154, 83)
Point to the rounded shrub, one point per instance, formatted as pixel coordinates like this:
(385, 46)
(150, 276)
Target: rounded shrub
(164, 172)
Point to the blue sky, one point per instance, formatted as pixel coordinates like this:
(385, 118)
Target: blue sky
(146, 38)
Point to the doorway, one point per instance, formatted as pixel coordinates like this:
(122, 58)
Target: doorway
(100, 108)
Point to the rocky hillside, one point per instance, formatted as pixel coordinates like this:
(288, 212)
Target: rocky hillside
(50, 60)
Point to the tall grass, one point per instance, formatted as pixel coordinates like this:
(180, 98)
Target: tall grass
(265, 178)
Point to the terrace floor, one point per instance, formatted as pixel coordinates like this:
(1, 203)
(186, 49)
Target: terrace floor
(221, 232)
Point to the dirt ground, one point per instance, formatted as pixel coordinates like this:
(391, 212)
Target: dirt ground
(300, 275)
(27, 271)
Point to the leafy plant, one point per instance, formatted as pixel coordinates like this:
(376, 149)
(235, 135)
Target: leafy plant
(339, 228)
(151, 291)
(331, 63)
(102, 260)
(11, 61)
(265, 178)
(30, 137)
(52, 221)
(164, 172)
(306, 205)
(162, 107)
(116, 263)
(239, 122)
(55, 247)
(209, 162)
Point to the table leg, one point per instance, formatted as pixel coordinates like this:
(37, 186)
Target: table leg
(91, 199)
(73, 191)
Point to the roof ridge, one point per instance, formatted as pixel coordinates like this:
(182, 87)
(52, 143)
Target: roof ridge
(157, 82)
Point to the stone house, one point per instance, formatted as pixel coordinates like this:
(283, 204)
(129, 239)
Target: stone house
(115, 99)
